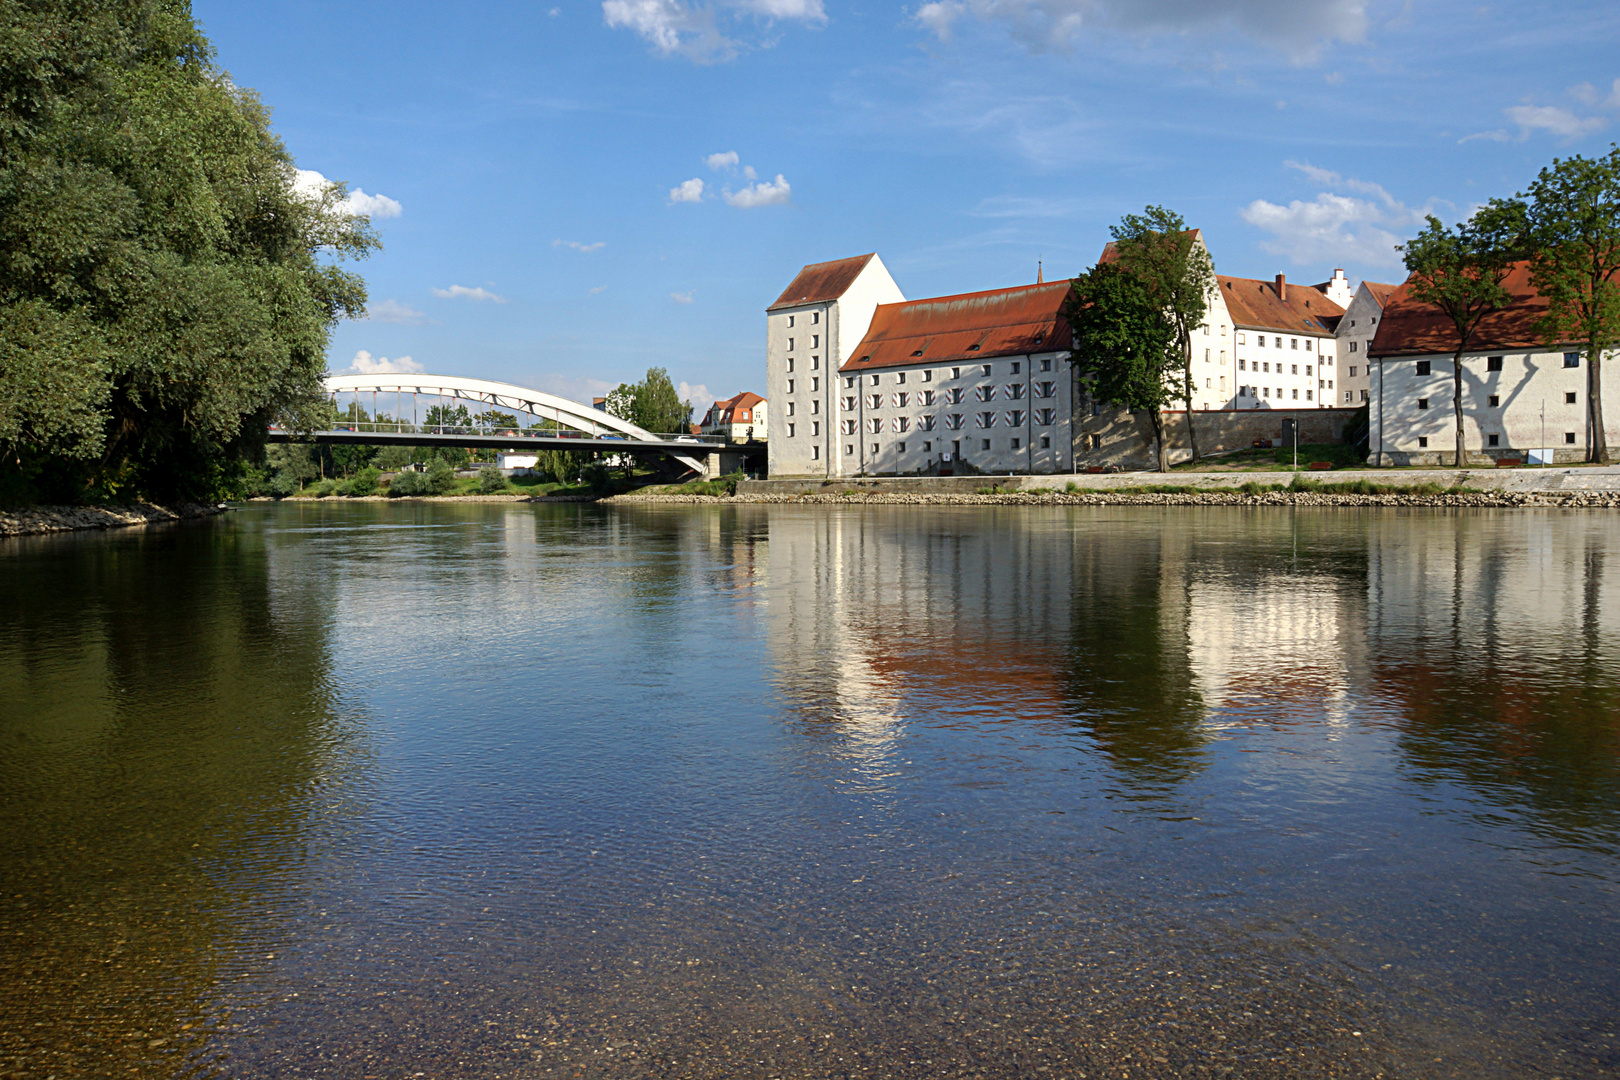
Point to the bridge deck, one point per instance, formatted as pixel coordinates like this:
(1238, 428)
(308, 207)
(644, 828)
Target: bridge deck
(612, 444)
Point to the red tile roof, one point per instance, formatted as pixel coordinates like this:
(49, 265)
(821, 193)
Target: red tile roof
(1257, 305)
(1409, 328)
(819, 282)
(725, 411)
(1381, 292)
(1001, 322)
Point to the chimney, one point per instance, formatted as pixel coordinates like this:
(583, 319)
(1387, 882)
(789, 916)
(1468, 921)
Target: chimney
(1282, 288)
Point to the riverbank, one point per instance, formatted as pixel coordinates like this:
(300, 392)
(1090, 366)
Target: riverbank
(51, 519)
(1127, 497)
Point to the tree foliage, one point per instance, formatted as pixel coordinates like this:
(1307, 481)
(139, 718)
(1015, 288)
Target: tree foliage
(652, 404)
(1460, 271)
(1174, 269)
(165, 292)
(1573, 208)
(1125, 350)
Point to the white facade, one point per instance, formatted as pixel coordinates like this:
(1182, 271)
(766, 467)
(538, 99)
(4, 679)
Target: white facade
(1285, 370)
(1515, 401)
(1355, 334)
(1004, 414)
(804, 346)
(741, 419)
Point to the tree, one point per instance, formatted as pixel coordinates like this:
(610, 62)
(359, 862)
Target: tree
(1125, 350)
(652, 404)
(1574, 219)
(1460, 271)
(164, 288)
(1175, 269)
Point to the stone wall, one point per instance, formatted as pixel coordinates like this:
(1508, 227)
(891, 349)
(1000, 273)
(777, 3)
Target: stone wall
(1126, 439)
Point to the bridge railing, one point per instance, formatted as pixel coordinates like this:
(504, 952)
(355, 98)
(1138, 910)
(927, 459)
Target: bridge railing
(532, 432)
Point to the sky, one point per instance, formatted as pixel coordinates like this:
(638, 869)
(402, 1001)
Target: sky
(571, 192)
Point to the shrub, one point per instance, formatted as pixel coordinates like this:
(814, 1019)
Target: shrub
(411, 483)
(491, 480)
(325, 488)
(344, 487)
(365, 481)
(441, 477)
(1299, 484)
(284, 483)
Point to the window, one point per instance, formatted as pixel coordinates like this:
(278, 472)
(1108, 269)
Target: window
(1307, 369)
(1293, 343)
(902, 424)
(790, 363)
(954, 421)
(849, 404)
(1296, 393)
(1240, 337)
(928, 376)
(1015, 417)
(875, 425)
(927, 446)
(1046, 442)
(1223, 384)
(1347, 395)
(1206, 356)
(953, 396)
(1423, 441)
(876, 401)
(1243, 365)
(1422, 367)
(790, 344)
(815, 427)
(1045, 390)
(849, 449)
(987, 419)
(1046, 364)
(956, 373)
(901, 400)
(815, 405)
(1423, 403)
(1017, 444)
(1330, 384)
(1016, 367)
(984, 444)
(1572, 359)
(925, 423)
(874, 449)
(790, 320)
(790, 386)
(790, 431)
(815, 316)
(1569, 399)
(1265, 391)
(1044, 416)
(1307, 395)
(1363, 394)
(1493, 363)
(1293, 369)
(790, 408)
(815, 341)
(1015, 391)
(815, 383)
(925, 398)
(987, 369)
(815, 453)
(1496, 401)
(1493, 440)
(984, 393)
(1352, 371)
(1267, 366)
(900, 378)
(899, 448)
(815, 363)
(849, 383)
(1569, 436)
(1205, 328)
(847, 427)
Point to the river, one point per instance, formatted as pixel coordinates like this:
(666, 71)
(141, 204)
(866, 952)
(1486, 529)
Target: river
(497, 790)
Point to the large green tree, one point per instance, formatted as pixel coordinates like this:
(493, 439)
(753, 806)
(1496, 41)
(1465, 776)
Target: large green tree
(1125, 351)
(1175, 270)
(165, 291)
(652, 404)
(1460, 269)
(1574, 217)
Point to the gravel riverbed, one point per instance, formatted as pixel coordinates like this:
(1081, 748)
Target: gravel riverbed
(1573, 499)
(50, 519)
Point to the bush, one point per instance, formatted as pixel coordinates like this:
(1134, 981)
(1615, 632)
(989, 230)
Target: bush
(344, 488)
(491, 480)
(365, 481)
(284, 483)
(325, 488)
(411, 483)
(596, 475)
(441, 477)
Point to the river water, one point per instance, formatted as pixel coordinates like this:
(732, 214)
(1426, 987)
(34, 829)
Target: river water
(436, 790)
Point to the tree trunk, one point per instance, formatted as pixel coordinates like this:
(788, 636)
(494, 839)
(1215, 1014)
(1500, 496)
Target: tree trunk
(1457, 408)
(1598, 441)
(1158, 438)
(1187, 387)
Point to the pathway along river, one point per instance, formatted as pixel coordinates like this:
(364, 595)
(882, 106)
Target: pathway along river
(447, 791)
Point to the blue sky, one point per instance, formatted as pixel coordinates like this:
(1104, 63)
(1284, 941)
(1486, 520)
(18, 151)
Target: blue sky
(526, 161)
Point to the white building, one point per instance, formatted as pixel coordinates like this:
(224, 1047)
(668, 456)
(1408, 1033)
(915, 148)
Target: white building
(809, 332)
(1355, 333)
(1521, 397)
(741, 418)
(1284, 344)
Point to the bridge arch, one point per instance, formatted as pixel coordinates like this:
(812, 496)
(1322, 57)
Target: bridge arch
(561, 410)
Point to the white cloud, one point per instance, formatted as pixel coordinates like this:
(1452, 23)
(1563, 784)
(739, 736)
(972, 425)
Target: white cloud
(1588, 94)
(698, 395)
(598, 289)
(1296, 28)
(555, 12)
(676, 28)
(392, 311)
(464, 293)
(763, 193)
(1335, 229)
(688, 191)
(682, 297)
(312, 186)
(366, 364)
(578, 245)
(727, 160)
(1553, 120)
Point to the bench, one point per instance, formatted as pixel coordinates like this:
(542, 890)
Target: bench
(1508, 462)
(1319, 466)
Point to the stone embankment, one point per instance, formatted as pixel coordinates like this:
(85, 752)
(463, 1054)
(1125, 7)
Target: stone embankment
(50, 519)
(1453, 499)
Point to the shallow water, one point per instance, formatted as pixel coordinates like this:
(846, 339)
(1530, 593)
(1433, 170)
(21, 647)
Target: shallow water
(377, 790)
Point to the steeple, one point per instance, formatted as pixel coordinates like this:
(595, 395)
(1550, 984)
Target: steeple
(1040, 274)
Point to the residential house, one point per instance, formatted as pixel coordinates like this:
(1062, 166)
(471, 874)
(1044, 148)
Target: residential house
(740, 418)
(1355, 333)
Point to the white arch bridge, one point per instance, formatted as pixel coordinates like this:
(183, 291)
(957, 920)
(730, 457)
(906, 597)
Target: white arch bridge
(424, 410)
